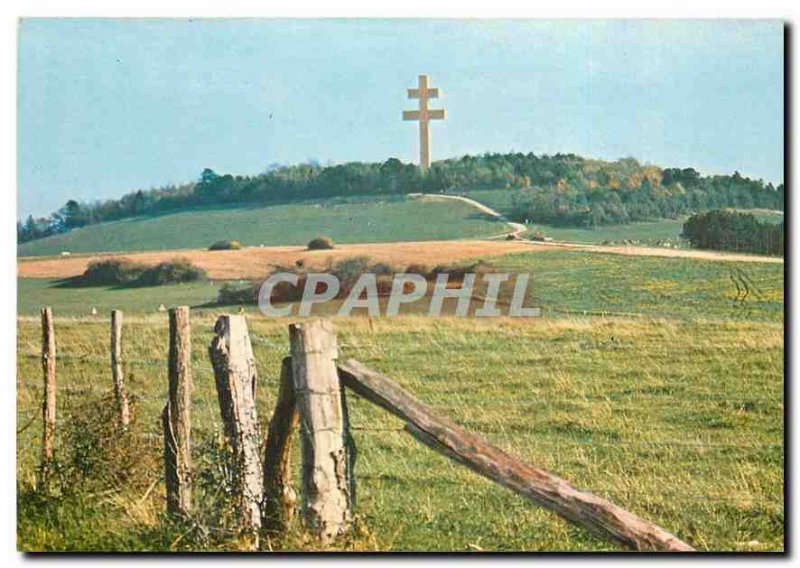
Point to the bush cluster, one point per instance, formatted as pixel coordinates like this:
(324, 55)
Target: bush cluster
(225, 245)
(233, 293)
(734, 231)
(320, 243)
(171, 272)
(111, 272)
(347, 271)
(116, 272)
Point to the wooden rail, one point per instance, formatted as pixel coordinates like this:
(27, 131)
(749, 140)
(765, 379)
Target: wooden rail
(598, 515)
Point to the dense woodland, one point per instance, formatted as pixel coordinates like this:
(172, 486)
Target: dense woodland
(734, 231)
(562, 189)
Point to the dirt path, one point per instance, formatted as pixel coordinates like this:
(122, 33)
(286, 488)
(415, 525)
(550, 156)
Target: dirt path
(516, 228)
(664, 252)
(519, 228)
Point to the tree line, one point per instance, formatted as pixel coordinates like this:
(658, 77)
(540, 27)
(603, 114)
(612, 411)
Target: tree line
(734, 231)
(562, 189)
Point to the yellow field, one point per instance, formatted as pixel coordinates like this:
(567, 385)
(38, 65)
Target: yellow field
(254, 262)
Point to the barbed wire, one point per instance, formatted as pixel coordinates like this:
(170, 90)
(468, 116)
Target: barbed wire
(603, 443)
(457, 396)
(604, 491)
(451, 399)
(538, 441)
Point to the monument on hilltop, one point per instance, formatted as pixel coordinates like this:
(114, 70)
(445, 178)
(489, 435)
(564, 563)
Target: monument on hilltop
(423, 115)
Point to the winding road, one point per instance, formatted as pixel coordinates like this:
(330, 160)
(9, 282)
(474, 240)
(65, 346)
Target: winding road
(517, 229)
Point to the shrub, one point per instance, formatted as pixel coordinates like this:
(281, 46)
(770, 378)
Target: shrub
(171, 272)
(238, 293)
(97, 456)
(110, 273)
(320, 243)
(420, 269)
(116, 272)
(481, 267)
(348, 270)
(286, 292)
(247, 293)
(225, 245)
(459, 271)
(382, 268)
(384, 285)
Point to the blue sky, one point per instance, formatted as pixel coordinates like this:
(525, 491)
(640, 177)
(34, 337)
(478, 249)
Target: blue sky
(110, 106)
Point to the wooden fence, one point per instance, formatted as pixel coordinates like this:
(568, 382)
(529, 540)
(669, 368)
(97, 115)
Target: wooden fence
(312, 399)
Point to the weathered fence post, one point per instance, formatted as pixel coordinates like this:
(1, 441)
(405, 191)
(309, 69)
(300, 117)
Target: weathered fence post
(176, 417)
(325, 461)
(235, 374)
(49, 399)
(280, 497)
(116, 369)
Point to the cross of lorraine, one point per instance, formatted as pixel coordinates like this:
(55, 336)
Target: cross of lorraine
(424, 115)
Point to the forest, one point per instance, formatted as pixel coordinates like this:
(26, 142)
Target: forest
(734, 231)
(562, 189)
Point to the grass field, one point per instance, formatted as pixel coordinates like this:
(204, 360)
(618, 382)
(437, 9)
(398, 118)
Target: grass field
(563, 282)
(646, 382)
(255, 262)
(33, 293)
(646, 233)
(679, 422)
(392, 219)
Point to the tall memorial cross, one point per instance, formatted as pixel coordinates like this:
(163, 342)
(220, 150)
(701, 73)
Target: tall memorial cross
(424, 115)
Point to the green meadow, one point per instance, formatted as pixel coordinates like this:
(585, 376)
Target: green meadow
(647, 381)
(345, 220)
(563, 282)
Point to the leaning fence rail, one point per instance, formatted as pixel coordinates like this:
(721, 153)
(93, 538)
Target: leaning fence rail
(598, 515)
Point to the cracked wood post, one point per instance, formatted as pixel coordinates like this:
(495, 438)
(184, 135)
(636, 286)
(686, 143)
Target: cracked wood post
(325, 460)
(235, 375)
(176, 417)
(116, 369)
(280, 497)
(49, 399)
(598, 515)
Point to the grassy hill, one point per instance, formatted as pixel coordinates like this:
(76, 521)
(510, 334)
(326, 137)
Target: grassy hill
(346, 221)
(647, 382)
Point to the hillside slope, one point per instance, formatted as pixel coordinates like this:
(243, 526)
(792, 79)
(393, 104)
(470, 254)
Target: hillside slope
(396, 219)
